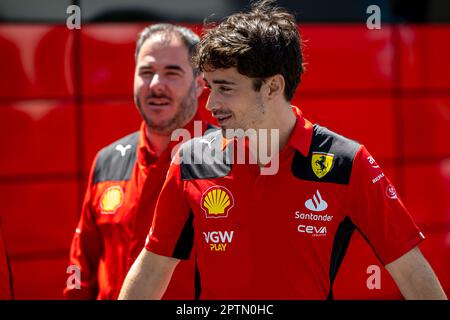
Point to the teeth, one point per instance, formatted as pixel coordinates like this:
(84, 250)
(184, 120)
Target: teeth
(158, 103)
(222, 117)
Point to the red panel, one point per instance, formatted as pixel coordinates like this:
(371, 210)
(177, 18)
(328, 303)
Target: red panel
(352, 278)
(369, 121)
(427, 127)
(37, 137)
(38, 216)
(42, 279)
(106, 122)
(427, 190)
(349, 57)
(108, 58)
(424, 56)
(36, 61)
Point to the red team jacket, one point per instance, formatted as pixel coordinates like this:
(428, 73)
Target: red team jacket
(112, 229)
(279, 236)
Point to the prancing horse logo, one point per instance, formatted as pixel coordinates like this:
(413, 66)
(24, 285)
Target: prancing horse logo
(321, 163)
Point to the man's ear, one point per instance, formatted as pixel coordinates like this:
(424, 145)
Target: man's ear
(275, 86)
(199, 84)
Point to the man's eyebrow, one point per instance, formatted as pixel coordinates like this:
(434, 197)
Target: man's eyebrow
(169, 67)
(174, 67)
(145, 66)
(223, 82)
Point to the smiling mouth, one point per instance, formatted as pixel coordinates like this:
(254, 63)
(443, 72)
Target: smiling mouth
(222, 117)
(158, 102)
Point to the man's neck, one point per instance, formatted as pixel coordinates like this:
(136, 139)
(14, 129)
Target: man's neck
(158, 142)
(285, 122)
(279, 129)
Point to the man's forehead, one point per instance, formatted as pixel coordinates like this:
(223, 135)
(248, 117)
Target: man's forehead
(159, 41)
(221, 75)
(157, 49)
(163, 38)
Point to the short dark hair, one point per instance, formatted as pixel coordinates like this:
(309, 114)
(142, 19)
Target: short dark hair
(189, 38)
(259, 43)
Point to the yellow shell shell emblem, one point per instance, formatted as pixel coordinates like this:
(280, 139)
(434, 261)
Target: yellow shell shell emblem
(217, 202)
(112, 199)
(321, 163)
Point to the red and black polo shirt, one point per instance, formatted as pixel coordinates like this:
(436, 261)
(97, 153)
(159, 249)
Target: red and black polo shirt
(112, 229)
(279, 236)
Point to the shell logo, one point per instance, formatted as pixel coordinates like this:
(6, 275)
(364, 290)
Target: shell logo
(217, 202)
(112, 199)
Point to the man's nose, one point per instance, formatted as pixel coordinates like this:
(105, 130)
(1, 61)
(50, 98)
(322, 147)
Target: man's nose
(156, 82)
(212, 103)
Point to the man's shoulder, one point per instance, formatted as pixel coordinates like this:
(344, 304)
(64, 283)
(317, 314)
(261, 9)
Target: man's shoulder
(203, 157)
(211, 138)
(330, 157)
(116, 161)
(326, 139)
(130, 140)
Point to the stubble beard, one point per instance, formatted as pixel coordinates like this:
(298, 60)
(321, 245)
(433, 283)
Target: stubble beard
(184, 113)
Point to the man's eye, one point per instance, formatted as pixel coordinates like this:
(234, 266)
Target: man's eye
(173, 74)
(146, 73)
(224, 89)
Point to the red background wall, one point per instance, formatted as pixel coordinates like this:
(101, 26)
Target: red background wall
(65, 94)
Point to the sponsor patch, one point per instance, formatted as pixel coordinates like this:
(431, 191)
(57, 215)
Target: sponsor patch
(111, 200)
(217, 202)
(321, 163)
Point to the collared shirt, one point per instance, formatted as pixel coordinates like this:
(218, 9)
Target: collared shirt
(280, 236)
(114, 225)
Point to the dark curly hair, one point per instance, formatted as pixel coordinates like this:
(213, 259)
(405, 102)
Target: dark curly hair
(259, 43)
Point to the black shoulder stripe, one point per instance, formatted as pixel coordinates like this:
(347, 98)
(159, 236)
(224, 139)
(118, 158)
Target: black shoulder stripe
(116, 161)
(340, 245)
(203, 158)
(326, 144)
(197, 280)
(183, 247)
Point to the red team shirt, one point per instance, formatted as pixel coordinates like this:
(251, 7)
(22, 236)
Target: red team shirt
(279, 236)
(112, 228)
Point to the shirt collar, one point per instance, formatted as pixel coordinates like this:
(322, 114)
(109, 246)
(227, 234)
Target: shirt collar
(300, 138)
(145, 153)
(301, 135)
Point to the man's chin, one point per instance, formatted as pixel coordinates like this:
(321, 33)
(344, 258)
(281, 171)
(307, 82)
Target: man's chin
(161, 129)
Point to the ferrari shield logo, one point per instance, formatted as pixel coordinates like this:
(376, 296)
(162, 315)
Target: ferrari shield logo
(321, 163)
